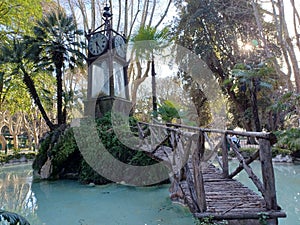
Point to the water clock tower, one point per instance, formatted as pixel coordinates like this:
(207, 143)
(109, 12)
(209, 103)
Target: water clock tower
(107, 70)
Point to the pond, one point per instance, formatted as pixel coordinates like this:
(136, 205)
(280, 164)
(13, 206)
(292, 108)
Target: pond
(287, 177)
(70, 203)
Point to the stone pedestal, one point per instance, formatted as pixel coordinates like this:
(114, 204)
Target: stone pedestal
(100, 106)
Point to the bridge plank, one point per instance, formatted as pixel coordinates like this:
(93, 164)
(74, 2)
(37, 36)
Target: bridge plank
(229, 199)
(194, 180)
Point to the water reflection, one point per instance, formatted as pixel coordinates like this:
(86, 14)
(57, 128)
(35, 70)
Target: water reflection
(15, 190)
(287, 177)
(288, 188)
(69, 203)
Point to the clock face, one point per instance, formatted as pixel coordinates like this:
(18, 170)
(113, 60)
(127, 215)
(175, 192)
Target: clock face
(97, 44)
(120, 46)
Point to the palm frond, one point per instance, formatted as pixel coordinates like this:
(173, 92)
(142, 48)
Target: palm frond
(13, 218)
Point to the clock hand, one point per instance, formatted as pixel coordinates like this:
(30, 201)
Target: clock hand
(97, 44)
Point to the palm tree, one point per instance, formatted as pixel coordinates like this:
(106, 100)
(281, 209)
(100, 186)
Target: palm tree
(146, 41)
(55, 47)
(15, 53)
(12, 218)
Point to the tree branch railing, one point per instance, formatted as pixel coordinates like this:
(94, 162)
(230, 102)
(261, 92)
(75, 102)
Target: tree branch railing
(196, 151)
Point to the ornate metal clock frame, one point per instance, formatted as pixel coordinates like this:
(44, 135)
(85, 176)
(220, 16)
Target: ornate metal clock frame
(107, 70)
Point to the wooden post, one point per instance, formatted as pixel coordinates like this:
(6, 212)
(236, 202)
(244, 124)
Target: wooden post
(225, 149)
(198, 177)
(268, 177)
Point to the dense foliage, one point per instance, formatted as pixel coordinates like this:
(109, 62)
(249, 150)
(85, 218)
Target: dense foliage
(18, 16)
(231, 36)
(289, 139)
(60, 146)
(243, 51)
(56, 46)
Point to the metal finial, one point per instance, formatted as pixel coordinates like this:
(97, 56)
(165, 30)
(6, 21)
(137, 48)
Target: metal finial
(107, 12)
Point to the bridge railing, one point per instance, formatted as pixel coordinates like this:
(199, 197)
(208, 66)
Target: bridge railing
(264, 154)
(212, 141)
(182, 151)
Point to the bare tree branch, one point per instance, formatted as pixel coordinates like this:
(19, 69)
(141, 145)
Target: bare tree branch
(164, 15)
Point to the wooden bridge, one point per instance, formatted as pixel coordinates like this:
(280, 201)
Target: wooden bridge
(206, 185)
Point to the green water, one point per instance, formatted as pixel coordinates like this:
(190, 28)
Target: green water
(69, 203)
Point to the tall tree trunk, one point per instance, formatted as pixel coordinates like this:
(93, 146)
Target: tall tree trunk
(286, 44)
(93, 15)
(60, 117)
(73, 13)
(285, 77)
(119, 16)
(152, 13)
(31, 88)
(3, 142)
(153, 83)
(296, 21)
(84, 14)
(14, 124)
(126, 19)
(145, 13)
(289, 46)
(260, 28)
(253, 92)
(16, 141)
(136, 81)
(133, 19)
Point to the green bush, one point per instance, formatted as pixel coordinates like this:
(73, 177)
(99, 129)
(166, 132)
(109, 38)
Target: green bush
(4, 158)
(280, 151)
(42, 155)
(89, 175)
(248, 150)
(60, 145)
(63, 149)
(288, 139)
(115, 146)
(168, 111)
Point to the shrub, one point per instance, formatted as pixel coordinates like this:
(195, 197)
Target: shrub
(288, 139)
(89, 175)
(60, 145)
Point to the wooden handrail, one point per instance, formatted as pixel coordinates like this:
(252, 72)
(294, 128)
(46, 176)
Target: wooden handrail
(264, 135)
(266, 186)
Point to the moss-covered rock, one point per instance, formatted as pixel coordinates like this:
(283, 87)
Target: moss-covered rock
(60, 149)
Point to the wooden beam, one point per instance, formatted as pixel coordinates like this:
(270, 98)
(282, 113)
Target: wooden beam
(268, 174)
(198, 177)
(240, 133)
(248, 169)
(241, 215)
(225, 165)
(240, 167)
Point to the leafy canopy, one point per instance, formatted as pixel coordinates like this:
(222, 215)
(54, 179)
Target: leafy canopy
(19, 15)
